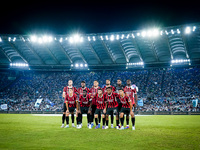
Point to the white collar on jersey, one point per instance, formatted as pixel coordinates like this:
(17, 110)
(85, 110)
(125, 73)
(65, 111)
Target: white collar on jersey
(70, 86)
(110, 94)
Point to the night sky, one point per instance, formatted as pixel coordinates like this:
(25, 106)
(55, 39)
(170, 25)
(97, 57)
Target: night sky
(65, 18)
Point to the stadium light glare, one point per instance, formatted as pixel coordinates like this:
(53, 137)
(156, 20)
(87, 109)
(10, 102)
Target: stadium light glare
(122, 37)
(14, 39)
(178, 31)
(71, 40)
(161, 32)
(106, 37)
(0, 39)
(19, 65)
(89, 39)
(40, 41)
(149, 33)
(117, 37)
(76, 65)
(86, 65)
(155, 32)
(127, 36)
(81, 65)
(194, 28)
(138, 34)
(9, 39)
(172, 31)
(133, 36)
(187, 30)
(112, 37)
(143, 33)
(94, 39)
(166, 32)
(101, 37)
(179, 61)
(61, 40)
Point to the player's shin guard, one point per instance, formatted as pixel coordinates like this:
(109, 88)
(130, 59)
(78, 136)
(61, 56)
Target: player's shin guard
(127, 120)
(99, 117)
(133, 121)
(67, 119)
(72, 117)
(88, 118)
(63, 118)
(96, 121)
(122, 121)
(79, 118)
(104, 120)
(117, 122)
(112, 118)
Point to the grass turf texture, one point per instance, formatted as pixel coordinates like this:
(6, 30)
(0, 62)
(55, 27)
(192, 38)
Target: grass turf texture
(18, 131)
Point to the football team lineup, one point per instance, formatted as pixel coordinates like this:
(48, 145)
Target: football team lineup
(99, 103)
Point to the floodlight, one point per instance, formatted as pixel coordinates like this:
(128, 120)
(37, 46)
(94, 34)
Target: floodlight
(187, 30)
(76, 65)
(81, 65)
(112, 37)
(143, 33)
(61, 39)
(33, 38)
(194, 28)
(86, 65)
(117, 37)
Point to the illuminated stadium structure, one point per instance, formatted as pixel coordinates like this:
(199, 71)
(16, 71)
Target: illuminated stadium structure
(122, 50)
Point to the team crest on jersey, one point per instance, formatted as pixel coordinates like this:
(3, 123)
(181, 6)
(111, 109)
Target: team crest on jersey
(100, 102)
(71, 102)
(85, 102)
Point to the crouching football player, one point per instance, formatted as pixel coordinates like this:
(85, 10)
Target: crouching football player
(71, 104)
(99, 98)
(85, 104)
(126, 109)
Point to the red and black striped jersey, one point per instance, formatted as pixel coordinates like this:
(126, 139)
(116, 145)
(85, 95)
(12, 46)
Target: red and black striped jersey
(85, 101)
(71, 100)
(66, 89)
(125, 101)
(93, 92)
(80, 90)
(111, 99)
(100, 101)
(130, 92)
(104, 88)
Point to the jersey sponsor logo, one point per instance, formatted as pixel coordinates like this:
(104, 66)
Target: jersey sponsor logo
(100, 102)
(85, 102)
(71, 102)
(110, 100)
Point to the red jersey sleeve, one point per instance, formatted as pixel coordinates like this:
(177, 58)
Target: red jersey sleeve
(64, 89)
(113, 89)
(75, 97)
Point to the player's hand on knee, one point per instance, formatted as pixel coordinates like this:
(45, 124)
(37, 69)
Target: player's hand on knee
(104, 111)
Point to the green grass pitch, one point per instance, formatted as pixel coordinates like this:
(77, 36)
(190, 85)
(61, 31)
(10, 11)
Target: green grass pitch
(18, 131)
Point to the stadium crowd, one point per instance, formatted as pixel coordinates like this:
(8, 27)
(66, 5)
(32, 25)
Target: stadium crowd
(163, 89)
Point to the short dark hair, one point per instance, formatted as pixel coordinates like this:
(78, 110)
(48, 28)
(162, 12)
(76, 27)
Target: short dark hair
(70, 89)
(109, 88)
(108, 79)
(82, 81)
(128, 80)
(96, 80)
(100, 89)
(119, 79)
(121, 89)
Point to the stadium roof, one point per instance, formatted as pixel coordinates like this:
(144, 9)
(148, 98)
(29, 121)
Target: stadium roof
(148, 46)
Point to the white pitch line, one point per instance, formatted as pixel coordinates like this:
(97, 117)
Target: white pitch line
(55, 115)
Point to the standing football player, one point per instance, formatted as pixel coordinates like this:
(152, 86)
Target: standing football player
(85, 104)
(65, 92)
(111, 106)
(93, 92)
(132, 94)
(71, 101)
(83, 87)
(126, 109)
(113, 90)
(100, 103)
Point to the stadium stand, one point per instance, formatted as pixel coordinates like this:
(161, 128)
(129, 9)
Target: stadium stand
(162, 89)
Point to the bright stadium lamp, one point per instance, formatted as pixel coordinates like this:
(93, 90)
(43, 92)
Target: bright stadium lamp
(187, 30)
(61, 39)
(76, 65)
(194, 28)
(81, 65)
(155, 32)
(143, 33)
(112, 37)
(117, 37)
(33, 38)
(149, 33)
(86, 65)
